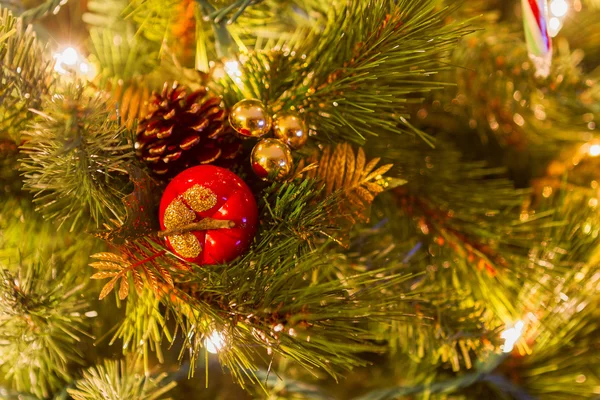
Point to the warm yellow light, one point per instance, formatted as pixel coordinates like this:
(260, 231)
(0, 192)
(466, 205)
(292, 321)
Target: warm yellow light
(511, 336)
(233, 68)
(559, 8)
(70, 62)
(230, 68)
(214, 342)
(594, 150)
(69, 56)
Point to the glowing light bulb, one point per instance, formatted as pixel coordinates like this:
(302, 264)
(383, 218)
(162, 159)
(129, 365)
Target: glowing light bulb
(66, 58)
(511, 336)
(69, 56)
(70, 63)
(559, 8)
(214, 342)
(594, 150)
(233, 68)
(554, 26)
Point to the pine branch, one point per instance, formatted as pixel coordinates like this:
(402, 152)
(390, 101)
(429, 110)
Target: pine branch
(132, 58)
(560, 297)
(318, 324)
(220, 14)
(454, 329)
(25, 74)
(124, 56)
(498, 99)
(224, 44)
(336, 77)
(40, 326)
(115, 380)
(144, 325)
(474, 233)
(571, 347)
(43, 305)
(299, 213)
(283, 387)
(16, 395)
(76, 161)
(470, 220)
(563, 330)
(152, 19)
(438, 387)
(104, 14)
(42, 10)
(562, 292)
(581, 35)
(264, 299)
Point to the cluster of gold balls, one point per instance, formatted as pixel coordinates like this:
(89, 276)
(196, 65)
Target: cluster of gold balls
(271, 157)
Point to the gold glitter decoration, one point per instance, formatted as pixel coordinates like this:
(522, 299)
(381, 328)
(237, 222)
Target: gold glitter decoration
(186, 245)
(290, 128)
(200, 198)
(178, 214)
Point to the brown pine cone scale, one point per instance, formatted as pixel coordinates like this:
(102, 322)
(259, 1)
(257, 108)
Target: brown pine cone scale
(182, 130)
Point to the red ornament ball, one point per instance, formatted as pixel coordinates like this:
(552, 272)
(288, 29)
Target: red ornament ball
(211, 196)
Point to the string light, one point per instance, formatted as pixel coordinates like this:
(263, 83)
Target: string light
(559, 8)
(511, 336)
(590, 149)
(214, 342)
(229, 68)
(594, 150)
(558, 11)
(554, 26)
(233, 69)
(69, 62)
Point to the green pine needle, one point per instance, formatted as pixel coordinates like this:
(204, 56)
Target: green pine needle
(119, 380)
(76, 161)
(354, 77)
(40, 326)
(25, 74)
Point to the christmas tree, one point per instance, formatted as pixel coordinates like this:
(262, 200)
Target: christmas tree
(299, 199)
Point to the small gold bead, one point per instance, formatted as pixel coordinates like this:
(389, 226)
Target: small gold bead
(250, 118)
(271, 155)
(290, 128)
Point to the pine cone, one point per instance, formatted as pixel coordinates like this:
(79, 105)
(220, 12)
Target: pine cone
(182, 130)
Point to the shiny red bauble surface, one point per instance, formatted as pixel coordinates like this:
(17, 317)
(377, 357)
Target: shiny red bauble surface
(212, 192)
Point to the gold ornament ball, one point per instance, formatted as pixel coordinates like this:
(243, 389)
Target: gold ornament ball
(250, 118)
(290, 128)
(271, 155)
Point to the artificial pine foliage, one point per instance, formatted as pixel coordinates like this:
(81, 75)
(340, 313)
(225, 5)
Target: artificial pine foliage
(432, 232)
(24, 74)
(76, 160)
(118, 380)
